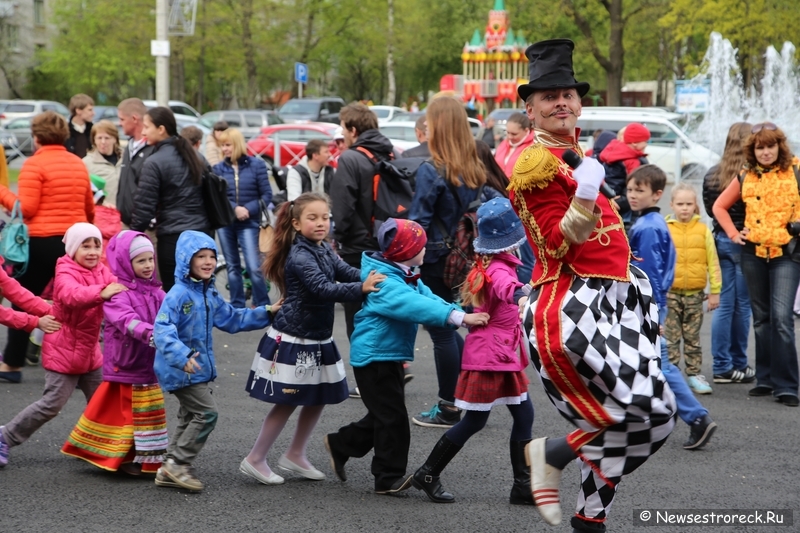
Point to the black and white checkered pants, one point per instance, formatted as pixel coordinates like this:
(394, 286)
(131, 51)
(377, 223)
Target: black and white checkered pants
(595, 344)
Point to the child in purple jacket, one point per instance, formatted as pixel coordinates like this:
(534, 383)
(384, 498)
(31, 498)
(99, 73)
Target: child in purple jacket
(494, 359)
(124, 427)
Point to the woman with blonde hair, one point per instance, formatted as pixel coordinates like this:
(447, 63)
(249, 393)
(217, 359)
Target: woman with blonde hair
(248, 185)
(446, 187)
(105, 159)
(767, 185)
(730, 325)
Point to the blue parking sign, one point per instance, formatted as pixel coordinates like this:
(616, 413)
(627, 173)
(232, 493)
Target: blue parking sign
(301, 73)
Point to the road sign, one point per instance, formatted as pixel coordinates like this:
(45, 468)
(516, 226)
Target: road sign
(301, 73)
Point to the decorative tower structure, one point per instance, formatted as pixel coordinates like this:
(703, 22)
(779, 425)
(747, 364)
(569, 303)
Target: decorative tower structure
(494, 65)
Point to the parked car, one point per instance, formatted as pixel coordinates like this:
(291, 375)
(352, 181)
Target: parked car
(386, 113)
(292, 139)
(665, 135)
(248, 121)
(500, 116)
(407, 117)
(411, 118)
(178, 107)
(16, 136)
(106, 112)
(401, 134)
(30, 108)
(311, 110)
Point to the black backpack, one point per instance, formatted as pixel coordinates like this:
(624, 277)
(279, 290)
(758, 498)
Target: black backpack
(391, 191)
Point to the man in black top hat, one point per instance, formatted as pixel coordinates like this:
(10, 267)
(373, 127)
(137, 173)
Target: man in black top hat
(591, 318)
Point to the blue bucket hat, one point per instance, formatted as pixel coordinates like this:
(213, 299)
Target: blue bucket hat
(499, 228)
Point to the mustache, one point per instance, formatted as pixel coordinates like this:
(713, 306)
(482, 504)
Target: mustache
(557, 111)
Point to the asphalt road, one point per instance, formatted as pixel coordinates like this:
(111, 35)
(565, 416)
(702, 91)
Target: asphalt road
(750, 464)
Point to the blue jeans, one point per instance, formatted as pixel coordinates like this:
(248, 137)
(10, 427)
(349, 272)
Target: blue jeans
(730, 323)
(244, 234)
(689, 409)
(772, 286)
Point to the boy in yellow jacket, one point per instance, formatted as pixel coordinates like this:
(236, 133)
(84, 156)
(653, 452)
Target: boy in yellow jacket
(697, 263)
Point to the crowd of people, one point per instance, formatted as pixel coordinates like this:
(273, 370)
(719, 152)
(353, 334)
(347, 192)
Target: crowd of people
(602, 294)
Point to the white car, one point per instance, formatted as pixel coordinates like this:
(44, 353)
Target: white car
(401, 134)
(386, 113)
(177, 107)
(669, 147)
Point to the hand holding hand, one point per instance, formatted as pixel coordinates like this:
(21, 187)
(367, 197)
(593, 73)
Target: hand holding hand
(191, 365)
(476, 319)
(589, 175)
(49, 324)
(713, 301)
(370, 285)
(112, 289)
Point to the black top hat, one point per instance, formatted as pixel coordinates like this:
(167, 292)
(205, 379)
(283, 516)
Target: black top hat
(550, 67)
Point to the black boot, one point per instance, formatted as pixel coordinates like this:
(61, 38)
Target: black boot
(583, 526)
(427, 476)
(521, 491)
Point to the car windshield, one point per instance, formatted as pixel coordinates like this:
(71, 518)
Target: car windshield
(503, 114)
(382, 113)
(19, 108)
(300, 108)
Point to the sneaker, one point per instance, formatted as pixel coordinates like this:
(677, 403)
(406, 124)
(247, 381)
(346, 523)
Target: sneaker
(731, 376)
(182, 475)
(163, 481)
(355, 393)
(699, 385)
(437, 418)
(700, 433)
(4, 449)
(749, 374)
(407, 375)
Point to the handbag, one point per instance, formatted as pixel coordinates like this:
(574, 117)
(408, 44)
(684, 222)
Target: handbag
(265, 230)
(14, 243)
(215, 196)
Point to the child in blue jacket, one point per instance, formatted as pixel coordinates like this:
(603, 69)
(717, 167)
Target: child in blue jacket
(184, 361)
(651, 245)
(384, 335)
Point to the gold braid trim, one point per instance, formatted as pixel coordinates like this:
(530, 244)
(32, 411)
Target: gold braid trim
(578, 223)
(536, 167)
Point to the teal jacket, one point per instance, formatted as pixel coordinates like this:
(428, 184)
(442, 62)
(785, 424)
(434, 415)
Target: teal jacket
(189, 312)
(386, 325)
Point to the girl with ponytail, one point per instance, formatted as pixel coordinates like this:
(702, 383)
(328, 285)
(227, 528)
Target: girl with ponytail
(494, 359)
(170, 190)
(297, 362)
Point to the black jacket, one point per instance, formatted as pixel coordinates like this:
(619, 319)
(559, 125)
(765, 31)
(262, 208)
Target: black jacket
(305, 178)
(168, 193)
(351, 195)
(129, 181)
(79, 143)
(312, 272)
(488, 137)
(710, 194)
(418, 151)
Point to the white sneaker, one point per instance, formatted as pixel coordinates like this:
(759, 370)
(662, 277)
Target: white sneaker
(699, 385)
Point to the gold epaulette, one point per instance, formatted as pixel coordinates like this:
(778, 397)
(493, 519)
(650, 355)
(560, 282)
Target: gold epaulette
(536, 167)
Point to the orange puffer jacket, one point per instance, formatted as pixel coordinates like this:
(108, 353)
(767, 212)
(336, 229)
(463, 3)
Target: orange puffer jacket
(55, 192)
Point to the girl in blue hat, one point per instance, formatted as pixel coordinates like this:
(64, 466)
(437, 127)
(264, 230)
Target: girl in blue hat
(494, 358)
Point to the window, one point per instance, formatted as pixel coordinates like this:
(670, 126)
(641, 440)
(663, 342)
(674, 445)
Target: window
(381, 112)
(20, 108)
(254, 120)
(12, 37)
(287, 135)
(38, 12)
(20, 124)
(273, 119)
(308, 135)
(234, 120)
(182, 110)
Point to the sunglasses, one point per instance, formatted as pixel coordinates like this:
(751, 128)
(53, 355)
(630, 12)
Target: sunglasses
(764, 126)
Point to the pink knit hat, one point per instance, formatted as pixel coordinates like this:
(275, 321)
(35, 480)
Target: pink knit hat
(78, 233)
(139, 245)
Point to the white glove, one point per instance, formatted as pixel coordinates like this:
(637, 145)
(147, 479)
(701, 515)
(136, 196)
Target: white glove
(589, 175)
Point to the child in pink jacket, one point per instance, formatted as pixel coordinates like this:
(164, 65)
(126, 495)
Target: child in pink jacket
(494, 358)
(71, 356)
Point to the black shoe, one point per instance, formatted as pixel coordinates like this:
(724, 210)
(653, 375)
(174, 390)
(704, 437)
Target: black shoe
(337, 460)
(438, 417)
(355, 393)
(407, 375)
(790, 400)
(11, 377)
(32, 354)
(426, 478)
(701, 431)
(761, 390)
(404, 483)
(521, 490)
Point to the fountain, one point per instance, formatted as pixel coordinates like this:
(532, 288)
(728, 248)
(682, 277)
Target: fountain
(777, 101)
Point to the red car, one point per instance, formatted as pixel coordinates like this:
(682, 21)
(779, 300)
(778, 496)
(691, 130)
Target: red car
(292, 139)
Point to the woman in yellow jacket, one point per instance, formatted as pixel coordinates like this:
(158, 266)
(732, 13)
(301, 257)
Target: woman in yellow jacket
(697, 263)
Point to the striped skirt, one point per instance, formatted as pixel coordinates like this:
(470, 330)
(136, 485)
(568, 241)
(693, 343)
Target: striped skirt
(296, 371)
(123, 423)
